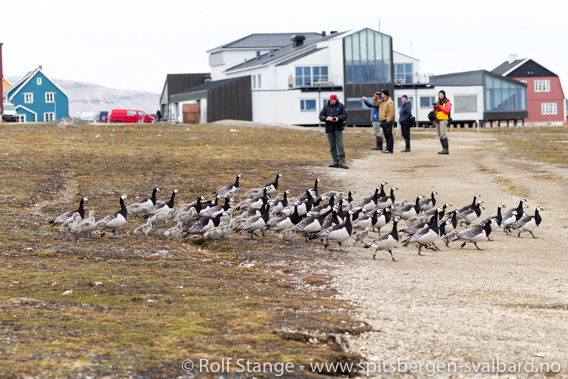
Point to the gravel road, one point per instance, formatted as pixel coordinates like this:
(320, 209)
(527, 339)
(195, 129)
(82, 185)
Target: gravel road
(463, 309)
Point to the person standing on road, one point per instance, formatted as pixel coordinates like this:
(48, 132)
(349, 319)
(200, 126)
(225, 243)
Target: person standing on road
(374, 105)
(386, 116)
(442, 108)
(334, 115)
(404, 114)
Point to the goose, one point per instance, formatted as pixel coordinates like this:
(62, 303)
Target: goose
(323, 208)
(162, 207)
(213, 233)
(278, 205)
(175, 231)
(349, 203)
(255, 223)
(425, 217)
(473, 234)
(87, 226)
(64, 216)
(414, 228)
(286, 234)
(144, 229)
(310, 224)
(339, 233)
(450, 222)
(387, 201)
(470, 206)
(163, 216)
(313, 192)
(185, 217)
(303, 207)
(382, 219)
(227, 228)
(427, 204)
(425, 236)
(470, 215)
(70, 223)
(230, 190)
(201, 226)
(409, 210)
(370, 202)
(398, 205)
(270, 188)
(144, 205)
(360, 237)
(494, 220)
(509, 217)
(528, 223)
(253, 212)
(213, 211)
(285, 222)
(337, 194)
(114, 220)
(330, 221)
(386, 242)
(195, 204)
(253, 203)
(366, 220)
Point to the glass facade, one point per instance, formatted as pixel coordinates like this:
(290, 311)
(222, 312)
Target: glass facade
(503, 96)
(368, 57)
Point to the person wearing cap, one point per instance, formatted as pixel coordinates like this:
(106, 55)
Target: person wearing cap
(386, 115)
(374, 105)
(442, 108)
(334, 115)
(404, 114)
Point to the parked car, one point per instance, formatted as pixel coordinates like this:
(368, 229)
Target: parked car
(129, 115)
(10, 114)
(102, 116)
(88, 116)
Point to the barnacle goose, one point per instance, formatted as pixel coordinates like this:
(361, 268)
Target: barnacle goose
(370, 202)
(360, 237)
(284, 222)
(451, 222)
(163, 216)
(114, 220)
(348, 203)
(304, 207)
(427, 204)
(144, 205)
(162, 207)
(255, 223)
(175, 231)
(144, 229)
(323, 208)
(409, 210)
(470, 215)
(270, 188)
(383, 218)
(230, 190)
(425, 236)
(64, 216)
(387, 201)
(366, 220)
(186, 207)
(340, 233)
(253, 203)
(278, 205)
(312, 191)
(201, 226)
(528, 223)
(470, 206)
(414, 228)
(473, 234)
(70, 223)
(213, 211)
(494, 220)
(386, 242)
(425, 217)
(86, 226)
(509, 217)
(310, 225)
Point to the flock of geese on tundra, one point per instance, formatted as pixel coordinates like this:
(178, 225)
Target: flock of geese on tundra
(331, 217)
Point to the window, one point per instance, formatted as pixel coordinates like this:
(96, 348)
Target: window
(254, 81)
(28, 98)
(467, 103)
(48, 117)
(259, 85)
(549, 108)
(542, 85)
(307, 105)
(131, 113)
(21, 118)
(143, 114)
(49, 97)
(399, 102)
(403, 73)
(307, 76)
(368, 57)
(553, 108)
(354, 103)
(504, 96)
(39, 81)
(427, 101)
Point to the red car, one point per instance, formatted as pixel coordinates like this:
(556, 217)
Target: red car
(129, 115)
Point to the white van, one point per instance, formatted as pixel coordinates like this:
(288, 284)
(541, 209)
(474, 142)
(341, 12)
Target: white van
(10, 114)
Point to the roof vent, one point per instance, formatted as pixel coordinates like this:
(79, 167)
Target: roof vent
(297, 40)
(323, 33)
(270, 52)
(257, 54)
(333, 32)
(512, 58)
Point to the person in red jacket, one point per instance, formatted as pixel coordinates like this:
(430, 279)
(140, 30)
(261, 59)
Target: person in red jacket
(442, 108)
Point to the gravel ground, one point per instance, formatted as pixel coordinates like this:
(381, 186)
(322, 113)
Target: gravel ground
(463, 309)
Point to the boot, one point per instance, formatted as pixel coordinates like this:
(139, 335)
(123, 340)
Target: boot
(379, 141)
(407, 149)
(444, 146)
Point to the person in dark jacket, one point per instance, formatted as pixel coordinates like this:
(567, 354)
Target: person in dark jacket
(334, 116)
(374, 105)
(404, 114)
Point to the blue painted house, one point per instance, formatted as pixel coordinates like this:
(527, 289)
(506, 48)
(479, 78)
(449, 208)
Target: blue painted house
(37, 98)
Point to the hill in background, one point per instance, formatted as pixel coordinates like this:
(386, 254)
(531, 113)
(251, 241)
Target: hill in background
(87, 97)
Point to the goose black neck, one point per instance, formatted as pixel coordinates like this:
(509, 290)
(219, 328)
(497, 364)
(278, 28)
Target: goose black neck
(348, 225)
(153, 197)
(392, 195)
(487, 228)
(382, 193)
(81, 209)
(316, 186)
(237, 182)
(394, 231)
(276, 181)
(170, 203)
(417, 205)
(455, 219)
(123, 210)
(434, 225)
(537, 217)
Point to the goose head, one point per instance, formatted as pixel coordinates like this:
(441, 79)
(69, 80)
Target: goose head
(124, 197)
(539, 208)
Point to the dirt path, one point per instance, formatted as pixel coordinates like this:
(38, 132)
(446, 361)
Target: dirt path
(506, 304)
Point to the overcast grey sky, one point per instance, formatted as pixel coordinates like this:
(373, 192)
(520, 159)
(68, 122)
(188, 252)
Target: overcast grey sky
(130, 44)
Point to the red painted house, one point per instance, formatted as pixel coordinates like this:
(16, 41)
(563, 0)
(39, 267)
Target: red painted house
(545, 98)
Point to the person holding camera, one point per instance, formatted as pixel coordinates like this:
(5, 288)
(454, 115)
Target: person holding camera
(386, 116)
(404, 114)
(334, 114)
(442, 108)
(374, 105)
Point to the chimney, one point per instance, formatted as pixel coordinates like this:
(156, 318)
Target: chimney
(323, 33)
(270, 52)
(297, 40)
(40, 67)
(257, 54)
(333, 32)
(512, 58)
